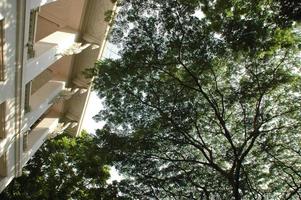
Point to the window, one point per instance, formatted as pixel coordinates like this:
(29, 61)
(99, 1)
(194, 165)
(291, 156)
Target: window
(3, 165)
(25, 141)
(2, 120)
(27, 97)
(2, 70)
(32, 32)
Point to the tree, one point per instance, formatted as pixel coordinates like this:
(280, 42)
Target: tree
(203, 107)
(63, 168)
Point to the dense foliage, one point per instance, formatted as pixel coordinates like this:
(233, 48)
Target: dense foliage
(64, 168)
(204, 101)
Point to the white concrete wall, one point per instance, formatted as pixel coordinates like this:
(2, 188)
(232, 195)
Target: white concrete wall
(8, 10)
(32, 4)
(38, 135)
(9, 15)
(48, 51)
(67, 16)
(41, 101)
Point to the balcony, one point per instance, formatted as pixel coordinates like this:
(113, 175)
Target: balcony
(41, 100)
(36, 3)
(3, 165)
(4, 172)
(39, 133)
(52, 32)
(48, 51)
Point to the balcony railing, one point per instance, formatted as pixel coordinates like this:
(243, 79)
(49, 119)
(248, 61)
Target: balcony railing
(39, 133)
(49, 50)
(36, 3)
(41, 101)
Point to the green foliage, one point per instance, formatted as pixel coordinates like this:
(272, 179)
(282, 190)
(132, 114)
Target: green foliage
(109, 15)
(196, 108)
(64, 168)
(289, 10)
(203, 107)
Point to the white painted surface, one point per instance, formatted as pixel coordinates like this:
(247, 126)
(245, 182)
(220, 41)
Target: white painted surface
(7, 87)
(36, 3)
(42, 100)
(38, 135)
(48, 51)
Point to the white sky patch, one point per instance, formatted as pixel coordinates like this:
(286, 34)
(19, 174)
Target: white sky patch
(111, 51)
(95, 104)
(217, 36)
(199, 14)
(115, 176)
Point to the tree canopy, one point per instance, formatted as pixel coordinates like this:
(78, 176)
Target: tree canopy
(64, 168)
(204, 101)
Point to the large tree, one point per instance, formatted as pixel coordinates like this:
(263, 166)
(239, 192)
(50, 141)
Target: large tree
(64, 168)
(204, 101)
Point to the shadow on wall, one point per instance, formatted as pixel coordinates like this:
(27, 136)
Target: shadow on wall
(8, 16)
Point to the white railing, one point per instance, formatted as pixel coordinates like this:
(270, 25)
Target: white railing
(49, 50)
(32, 4)
(39, 134)
(41, 101)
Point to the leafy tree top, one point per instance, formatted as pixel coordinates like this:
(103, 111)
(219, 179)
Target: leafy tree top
(203, 107)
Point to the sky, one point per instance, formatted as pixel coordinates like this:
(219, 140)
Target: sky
(95, 104)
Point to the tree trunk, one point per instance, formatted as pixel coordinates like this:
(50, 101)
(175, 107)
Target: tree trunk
(236, 194)
(235, 187)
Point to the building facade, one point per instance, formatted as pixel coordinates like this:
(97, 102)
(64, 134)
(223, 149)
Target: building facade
(44, 47)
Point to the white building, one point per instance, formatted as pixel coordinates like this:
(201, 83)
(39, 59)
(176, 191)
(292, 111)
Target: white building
(44, 47)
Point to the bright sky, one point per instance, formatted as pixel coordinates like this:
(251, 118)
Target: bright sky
(94, 106)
